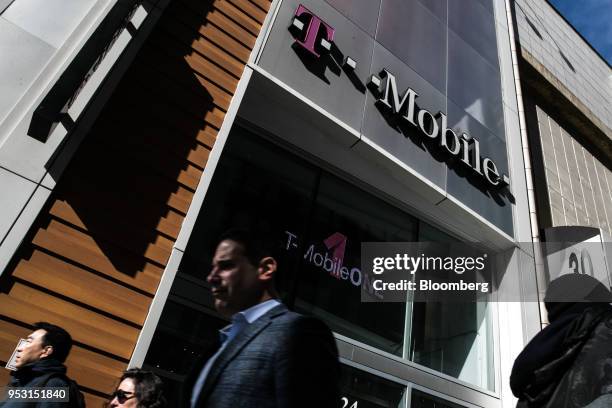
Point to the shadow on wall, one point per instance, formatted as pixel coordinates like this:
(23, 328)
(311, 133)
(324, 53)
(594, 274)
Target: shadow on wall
(133, 167)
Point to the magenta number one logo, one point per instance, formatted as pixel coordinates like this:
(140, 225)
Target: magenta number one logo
(337, 243)
(312, 32)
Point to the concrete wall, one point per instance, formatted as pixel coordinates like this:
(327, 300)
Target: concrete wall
(551, 41)
(577, 184)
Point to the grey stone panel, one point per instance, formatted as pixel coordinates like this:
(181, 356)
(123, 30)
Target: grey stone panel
(557, 217)
(586, 187)
(600, 221)
(50, 20)
(564, 53)
(572, 164)
(570, 212)
(552, 179)
(415, 36)
(28, 56)
(602, 194)
(556, 199)
(577, 182)
(411, 149)
(364, 13)
(608, 176)
(331, 90)
(605, 192)
(571, 171)
(474, 85)
(547, 144)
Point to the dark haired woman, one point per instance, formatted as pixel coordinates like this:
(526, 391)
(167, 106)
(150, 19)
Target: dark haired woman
(138, 389)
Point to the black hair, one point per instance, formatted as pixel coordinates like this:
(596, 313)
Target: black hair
(148, 388)
(254, 249)
(57, 338)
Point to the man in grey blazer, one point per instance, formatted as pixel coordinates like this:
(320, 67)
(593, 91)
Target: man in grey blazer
(269, 357)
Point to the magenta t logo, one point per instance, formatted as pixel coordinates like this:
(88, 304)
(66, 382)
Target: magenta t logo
(337, 243)
(317, 30)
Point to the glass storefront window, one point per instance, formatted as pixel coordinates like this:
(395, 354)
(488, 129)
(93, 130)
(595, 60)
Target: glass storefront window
(345, 211)
(453, 338)
(318, 221)
(421, 399)
(360, 389)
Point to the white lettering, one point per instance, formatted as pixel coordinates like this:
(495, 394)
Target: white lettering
(456, 149)
(397, 105)
(357, 272)
(433, 132)
(320, 261)
(490, 167)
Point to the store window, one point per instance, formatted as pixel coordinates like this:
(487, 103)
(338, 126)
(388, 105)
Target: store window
(422, 399)
(361, 389)
(313, 216)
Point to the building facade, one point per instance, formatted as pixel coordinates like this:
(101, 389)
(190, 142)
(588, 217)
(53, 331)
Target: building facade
(139, 131)
(566, 92)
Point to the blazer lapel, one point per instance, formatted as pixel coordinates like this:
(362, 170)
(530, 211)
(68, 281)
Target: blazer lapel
(234, 347)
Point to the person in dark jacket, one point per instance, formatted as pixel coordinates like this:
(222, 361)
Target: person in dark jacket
(269, 357)
(39, 363)
(567, 364)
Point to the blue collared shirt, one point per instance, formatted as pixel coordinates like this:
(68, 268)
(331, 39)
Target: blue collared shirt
(239, 321)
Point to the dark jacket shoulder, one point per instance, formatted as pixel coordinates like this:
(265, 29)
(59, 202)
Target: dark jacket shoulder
(43, 373)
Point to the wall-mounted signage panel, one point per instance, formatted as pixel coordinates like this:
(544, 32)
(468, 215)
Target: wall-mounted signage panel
(577, 250)
(325, 57)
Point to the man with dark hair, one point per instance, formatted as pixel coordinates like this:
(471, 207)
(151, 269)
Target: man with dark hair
(39, 363)
(269, 357)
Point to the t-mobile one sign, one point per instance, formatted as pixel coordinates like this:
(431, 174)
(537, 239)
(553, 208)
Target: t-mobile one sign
(317, 37)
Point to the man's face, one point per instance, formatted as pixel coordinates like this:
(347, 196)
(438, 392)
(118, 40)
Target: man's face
(33, 350)
(234, 280)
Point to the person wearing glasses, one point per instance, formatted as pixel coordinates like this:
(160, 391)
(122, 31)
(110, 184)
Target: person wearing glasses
(138, 389)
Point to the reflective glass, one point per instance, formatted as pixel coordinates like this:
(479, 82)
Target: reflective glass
(438, 7)
(361, 389)
(472, 189)
(358, 217)
(422, 399)
(258, 189)
(416, 36)
(474, 85)
(453, 338)
(364, 13)
(318, 221)
(487, 4)
(405, 142)
(185, 333)
(475, 25)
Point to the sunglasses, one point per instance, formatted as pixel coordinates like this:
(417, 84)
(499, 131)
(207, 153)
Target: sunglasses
(122, 396)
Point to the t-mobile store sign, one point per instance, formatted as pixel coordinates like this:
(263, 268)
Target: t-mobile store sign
(317, 38)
